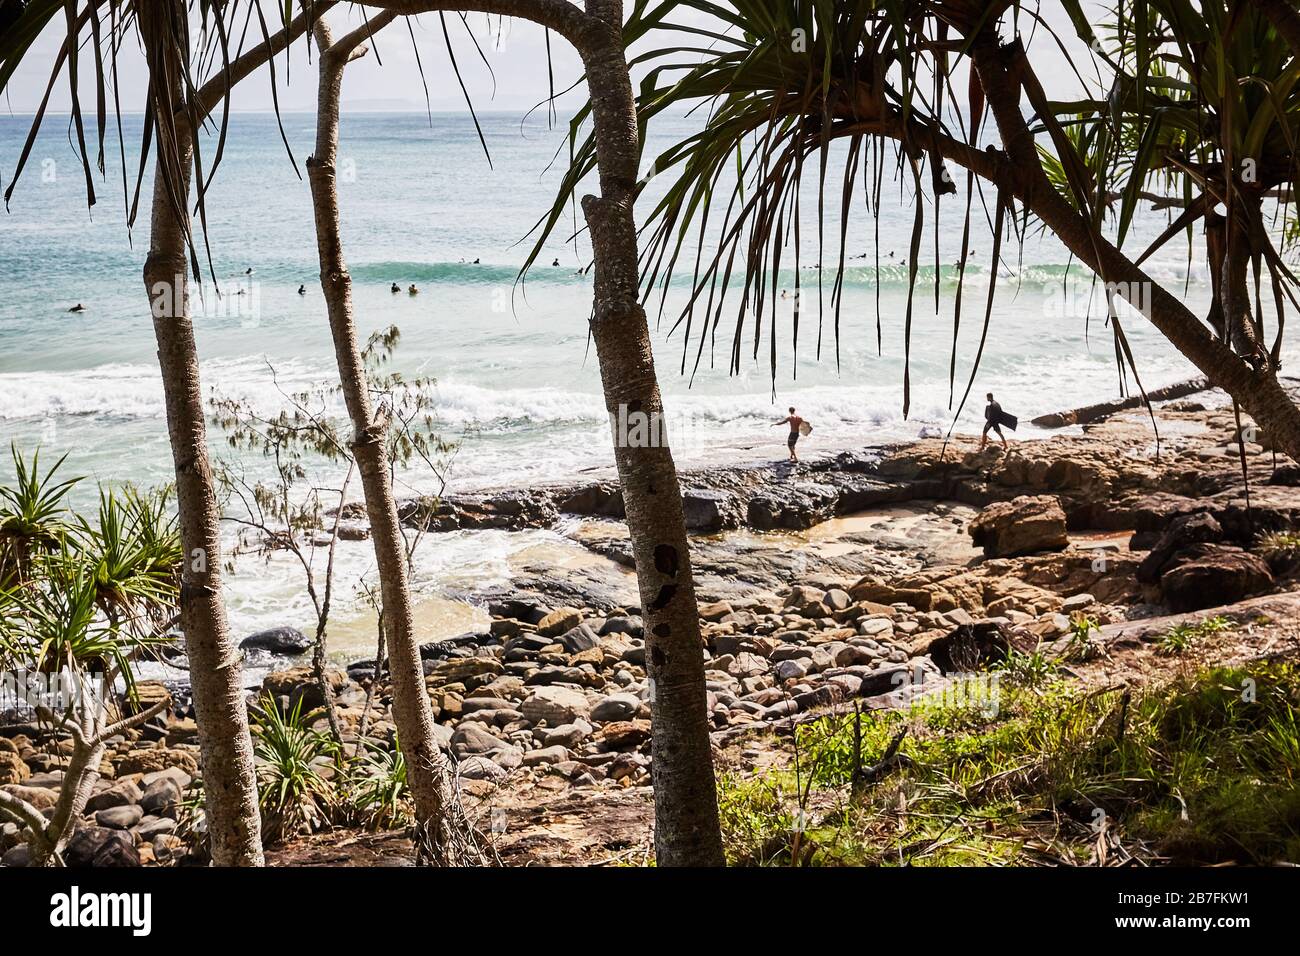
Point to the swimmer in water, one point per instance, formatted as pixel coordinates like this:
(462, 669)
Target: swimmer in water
(302, 290)
(395, 289)
(412, 290)
(556, 262)
(78, 308)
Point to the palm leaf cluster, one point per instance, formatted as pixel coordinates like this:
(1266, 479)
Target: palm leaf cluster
(854, 95)
(781, 83)
(82, 595)
(1202, 113)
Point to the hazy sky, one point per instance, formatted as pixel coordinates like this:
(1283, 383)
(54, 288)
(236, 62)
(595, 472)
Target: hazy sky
(515, 49)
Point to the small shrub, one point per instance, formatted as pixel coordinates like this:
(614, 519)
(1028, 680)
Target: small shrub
(295, 795)
(377, 795)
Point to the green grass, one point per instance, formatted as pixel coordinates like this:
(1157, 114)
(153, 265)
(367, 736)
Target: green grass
(1200, 771)
(1032, 669)
(1181, 637)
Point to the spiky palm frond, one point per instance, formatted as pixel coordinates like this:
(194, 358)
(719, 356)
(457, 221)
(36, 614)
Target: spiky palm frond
(32, 514)
(781, 83)
(1212, 90)
(135, 552)
(55, 621)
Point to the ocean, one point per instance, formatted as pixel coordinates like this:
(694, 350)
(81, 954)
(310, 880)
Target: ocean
(517, 379)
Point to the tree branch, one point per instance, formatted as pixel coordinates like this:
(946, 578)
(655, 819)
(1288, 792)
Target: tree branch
(345, 47)
(126, 723)
(24, 812)
(212, 92)
(569, 21)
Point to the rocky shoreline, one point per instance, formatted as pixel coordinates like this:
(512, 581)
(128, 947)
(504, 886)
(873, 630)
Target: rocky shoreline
(855, 577)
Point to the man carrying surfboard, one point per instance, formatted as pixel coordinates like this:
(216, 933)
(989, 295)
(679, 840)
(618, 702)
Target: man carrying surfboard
(995, 418)
(797, 427)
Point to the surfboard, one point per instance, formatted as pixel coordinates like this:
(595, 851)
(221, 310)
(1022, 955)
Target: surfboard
(1009, 420)
(805, 429)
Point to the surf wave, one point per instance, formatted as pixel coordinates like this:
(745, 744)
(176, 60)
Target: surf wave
(859, 272)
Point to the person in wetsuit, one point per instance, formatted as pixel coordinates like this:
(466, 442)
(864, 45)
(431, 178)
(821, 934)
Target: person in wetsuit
(992, 420)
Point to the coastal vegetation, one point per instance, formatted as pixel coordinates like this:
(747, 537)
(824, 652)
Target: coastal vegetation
(817, 675)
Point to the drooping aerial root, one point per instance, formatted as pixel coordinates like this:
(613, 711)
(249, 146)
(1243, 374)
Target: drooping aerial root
(451, 839)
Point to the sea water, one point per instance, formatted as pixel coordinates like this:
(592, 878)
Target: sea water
(517, 382)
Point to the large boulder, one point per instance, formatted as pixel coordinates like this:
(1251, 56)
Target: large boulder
(708, 510)
(121, 794)
(278, 640)
(555, 705)
(100, 846)
(1024, 525)
(580, 638)
(1198, 528)
(12, 768)
(793, 506)
(155, 759)
(473, 738)
(559, 621)
(298, 684)
(1208, 575)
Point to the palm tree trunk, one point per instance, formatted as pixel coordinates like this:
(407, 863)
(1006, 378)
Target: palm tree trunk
(229, 783)
(1256, 390)
(428, 773)
(686, 809)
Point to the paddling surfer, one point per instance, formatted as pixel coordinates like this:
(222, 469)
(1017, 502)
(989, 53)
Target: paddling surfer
(796, 429)
(995, 418)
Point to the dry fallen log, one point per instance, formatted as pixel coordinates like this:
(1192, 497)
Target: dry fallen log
(1091, 413)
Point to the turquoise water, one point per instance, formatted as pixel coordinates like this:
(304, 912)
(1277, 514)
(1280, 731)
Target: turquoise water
(517, 381)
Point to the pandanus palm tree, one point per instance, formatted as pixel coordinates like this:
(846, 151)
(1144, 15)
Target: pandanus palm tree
(686, 811)
(784, 81)
(97, 597)
(686, 830)
(444, 837)
(178, 105)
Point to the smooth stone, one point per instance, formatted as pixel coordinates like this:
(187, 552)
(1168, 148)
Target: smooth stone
(119, 818)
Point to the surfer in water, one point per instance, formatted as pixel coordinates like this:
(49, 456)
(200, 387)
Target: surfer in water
(395, 289)
(995, 418)
(797, 428)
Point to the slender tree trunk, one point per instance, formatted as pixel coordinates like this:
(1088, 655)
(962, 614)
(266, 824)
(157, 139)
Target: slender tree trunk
(80, 777)
(428, 773)
(686, 809)
(229, 783)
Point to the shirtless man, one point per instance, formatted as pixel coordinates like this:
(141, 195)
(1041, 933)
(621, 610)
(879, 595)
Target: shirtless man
(794, 421)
